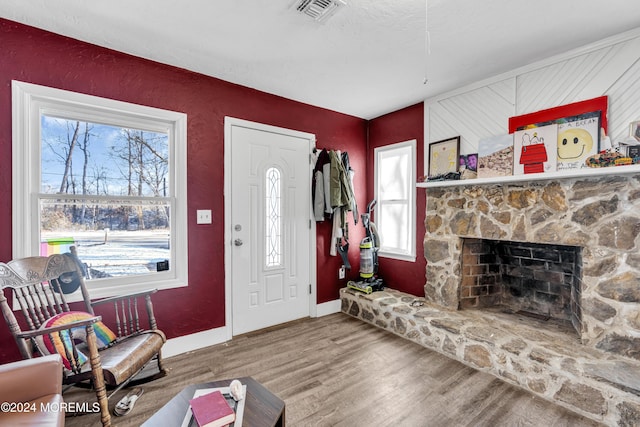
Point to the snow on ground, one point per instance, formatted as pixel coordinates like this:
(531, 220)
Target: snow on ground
(118, 253)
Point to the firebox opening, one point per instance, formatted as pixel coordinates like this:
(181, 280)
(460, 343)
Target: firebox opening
(539, 281)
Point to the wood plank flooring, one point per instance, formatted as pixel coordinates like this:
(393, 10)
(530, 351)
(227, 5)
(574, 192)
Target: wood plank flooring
(339, 371)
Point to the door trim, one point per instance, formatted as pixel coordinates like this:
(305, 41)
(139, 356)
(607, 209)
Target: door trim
(229, 122)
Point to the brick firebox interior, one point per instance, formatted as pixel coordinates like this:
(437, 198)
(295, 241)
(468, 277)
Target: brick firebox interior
(539, 280)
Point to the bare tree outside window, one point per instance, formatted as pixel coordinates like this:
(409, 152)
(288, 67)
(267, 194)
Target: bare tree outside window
(112, 188)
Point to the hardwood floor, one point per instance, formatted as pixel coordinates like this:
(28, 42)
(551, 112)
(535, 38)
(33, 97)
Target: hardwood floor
(339, 371)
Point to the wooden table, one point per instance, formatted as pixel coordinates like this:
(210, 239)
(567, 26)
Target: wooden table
(262, 408)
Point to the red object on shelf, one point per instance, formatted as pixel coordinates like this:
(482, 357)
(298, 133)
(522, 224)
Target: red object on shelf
(532, 157)
(569, 110)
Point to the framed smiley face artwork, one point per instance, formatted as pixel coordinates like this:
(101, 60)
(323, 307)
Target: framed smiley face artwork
(578, 138)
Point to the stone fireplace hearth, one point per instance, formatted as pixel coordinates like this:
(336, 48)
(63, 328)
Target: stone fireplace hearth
(516, 349)
(599, 215)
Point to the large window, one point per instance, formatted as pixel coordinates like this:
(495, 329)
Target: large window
(105, 176)
(395, 191)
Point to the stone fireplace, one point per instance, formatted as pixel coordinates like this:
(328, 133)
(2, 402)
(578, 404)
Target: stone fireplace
(537, 280)
(600, 217)
(560, 259)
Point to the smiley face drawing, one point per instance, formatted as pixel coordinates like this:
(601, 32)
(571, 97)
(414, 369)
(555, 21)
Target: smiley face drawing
(574, 144)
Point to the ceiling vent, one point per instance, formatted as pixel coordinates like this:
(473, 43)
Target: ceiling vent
(320, 10)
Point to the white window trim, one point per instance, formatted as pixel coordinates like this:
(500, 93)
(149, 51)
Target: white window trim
(29, 101)
(385, 253)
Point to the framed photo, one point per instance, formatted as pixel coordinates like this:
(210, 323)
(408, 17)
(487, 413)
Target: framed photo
(443, 156)
(634, 130)
(469, 161)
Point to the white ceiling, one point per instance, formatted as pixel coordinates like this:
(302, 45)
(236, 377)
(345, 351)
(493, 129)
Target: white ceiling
(366, 60)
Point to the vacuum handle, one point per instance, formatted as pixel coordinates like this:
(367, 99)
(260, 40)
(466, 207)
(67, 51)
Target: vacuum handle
(370, 206)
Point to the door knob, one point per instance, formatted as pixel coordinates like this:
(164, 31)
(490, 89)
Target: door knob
(237, 242)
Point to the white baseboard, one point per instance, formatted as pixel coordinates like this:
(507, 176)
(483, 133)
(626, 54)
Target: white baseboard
(185, 343)
(329, 307)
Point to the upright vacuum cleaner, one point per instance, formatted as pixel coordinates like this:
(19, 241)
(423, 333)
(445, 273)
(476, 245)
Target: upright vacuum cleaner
(369, 246)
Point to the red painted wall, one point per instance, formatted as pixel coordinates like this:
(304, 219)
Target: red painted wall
(399, 126)
(36, 56)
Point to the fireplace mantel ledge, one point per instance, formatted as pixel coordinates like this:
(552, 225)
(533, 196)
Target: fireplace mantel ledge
(498, 180)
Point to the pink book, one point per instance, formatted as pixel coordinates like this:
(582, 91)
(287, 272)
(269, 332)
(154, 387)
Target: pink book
(212, 410)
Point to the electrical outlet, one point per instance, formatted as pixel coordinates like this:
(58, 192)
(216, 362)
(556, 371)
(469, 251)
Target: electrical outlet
(203, 216)
(341, 273)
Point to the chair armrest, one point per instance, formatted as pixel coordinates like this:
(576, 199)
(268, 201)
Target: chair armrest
(45, 331)
(30, 379)
(124, 296)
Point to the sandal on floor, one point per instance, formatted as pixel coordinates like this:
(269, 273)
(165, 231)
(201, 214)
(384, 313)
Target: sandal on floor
(126, 404)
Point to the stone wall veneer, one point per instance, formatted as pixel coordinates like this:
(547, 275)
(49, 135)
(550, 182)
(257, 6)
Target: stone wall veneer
(601, 215)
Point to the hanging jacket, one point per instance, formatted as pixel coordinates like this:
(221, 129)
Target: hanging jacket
(319, 186)
(318, 196)
(341, 193)
(326, 174)
(351, 173)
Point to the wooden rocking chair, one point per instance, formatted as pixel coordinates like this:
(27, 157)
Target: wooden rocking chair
(37, 284)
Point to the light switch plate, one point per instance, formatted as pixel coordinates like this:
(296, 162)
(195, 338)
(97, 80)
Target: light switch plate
(204, 216)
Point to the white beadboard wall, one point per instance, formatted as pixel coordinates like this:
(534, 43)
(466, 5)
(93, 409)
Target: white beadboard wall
(610, 67)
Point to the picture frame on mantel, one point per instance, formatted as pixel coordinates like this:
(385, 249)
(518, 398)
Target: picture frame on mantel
(443, 156)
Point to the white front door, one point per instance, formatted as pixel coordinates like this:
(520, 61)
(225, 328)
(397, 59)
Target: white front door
(268, 224)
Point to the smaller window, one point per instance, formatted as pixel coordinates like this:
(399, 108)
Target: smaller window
(395, 191)
(273, 218)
